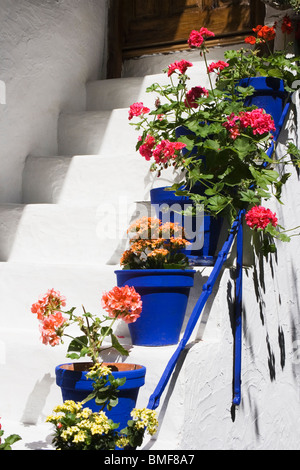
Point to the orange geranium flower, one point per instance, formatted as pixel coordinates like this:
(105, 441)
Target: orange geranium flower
(265, 32)
(123, 302)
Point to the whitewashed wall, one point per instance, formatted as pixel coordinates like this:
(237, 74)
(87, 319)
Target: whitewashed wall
(49, 49)
(196, 411)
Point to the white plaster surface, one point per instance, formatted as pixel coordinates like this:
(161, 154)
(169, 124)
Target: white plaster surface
(48, 50)
(53, 238)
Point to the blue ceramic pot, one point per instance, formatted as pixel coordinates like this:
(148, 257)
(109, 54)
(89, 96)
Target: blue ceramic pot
(269, 94)
(182, 130)
(203, 231)
(71, 378)
(164, 293)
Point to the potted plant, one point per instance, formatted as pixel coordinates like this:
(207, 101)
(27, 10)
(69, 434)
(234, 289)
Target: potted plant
(159, 271)
(272, 75)
(78, 427)
(223, 152)
(122, 303)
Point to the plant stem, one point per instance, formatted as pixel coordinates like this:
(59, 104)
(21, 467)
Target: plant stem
(208, 74)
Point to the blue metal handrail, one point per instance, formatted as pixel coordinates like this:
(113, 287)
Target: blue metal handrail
(206, 292)
(236, 230)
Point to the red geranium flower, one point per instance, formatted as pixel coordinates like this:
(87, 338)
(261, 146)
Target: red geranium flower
(265, 32)
(260, 217)
(192, 95)
(287, 27)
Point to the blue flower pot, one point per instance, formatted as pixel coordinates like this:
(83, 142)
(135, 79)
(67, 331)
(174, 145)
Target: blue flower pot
(269, 94)
(71, 378)
(203, 231)
(182, 131)
(164, 294)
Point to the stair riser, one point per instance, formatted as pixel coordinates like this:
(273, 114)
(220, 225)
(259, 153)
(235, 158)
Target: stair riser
(89, 180)
(121, 93)
(61, 234)
(95, 133)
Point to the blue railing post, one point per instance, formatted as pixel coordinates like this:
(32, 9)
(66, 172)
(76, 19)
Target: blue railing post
(238, 316)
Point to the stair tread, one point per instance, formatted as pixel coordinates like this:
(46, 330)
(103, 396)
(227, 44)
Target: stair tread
(82, 179)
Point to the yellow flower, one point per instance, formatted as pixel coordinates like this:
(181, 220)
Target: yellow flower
(145, 418)
(98, 370)
(53, 418)
(80, 437)
(122, 442)
(68, 406)
(69, 432)
(85, 413)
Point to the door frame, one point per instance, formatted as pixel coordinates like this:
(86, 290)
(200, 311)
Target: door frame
(117, 54)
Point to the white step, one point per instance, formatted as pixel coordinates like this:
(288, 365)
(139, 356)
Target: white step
(122, 92)
(90, 179)
(22, 283)
(57, 234)
(96, 132)
(21, 349)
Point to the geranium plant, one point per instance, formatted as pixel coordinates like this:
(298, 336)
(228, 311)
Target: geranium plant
(120, 303)
(78, 428)
(261, 59)
(154, 245)
(217, 142)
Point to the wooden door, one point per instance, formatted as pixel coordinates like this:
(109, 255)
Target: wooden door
(138, 27)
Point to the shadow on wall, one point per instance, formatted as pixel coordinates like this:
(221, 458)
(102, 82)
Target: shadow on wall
(37, 399)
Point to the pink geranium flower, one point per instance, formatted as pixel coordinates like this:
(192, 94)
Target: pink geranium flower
(197, 38)
(49, 327)
(206, 33)
(48, 303)
(136, 109)
(146, 148)
(166, 150)
(258, 120)
(217, 66)
(123, 302)
(260, 217)
(182, 66)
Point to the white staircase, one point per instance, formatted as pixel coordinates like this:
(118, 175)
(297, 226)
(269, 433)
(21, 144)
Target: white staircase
(69, 234)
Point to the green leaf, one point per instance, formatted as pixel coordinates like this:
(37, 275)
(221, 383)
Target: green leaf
(73, 356)
(244, 147)
(78, 343)
(9, 441)
(250, 196)
(115, 344)
(212, 144)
